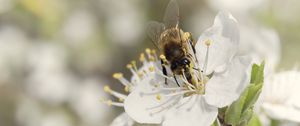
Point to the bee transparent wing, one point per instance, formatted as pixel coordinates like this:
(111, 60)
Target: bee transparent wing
(171, 18)
(154, 29)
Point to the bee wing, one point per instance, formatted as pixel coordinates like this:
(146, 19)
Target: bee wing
(171, 18)
(154, 30)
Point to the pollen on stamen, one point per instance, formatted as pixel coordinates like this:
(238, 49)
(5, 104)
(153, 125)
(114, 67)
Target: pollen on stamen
(140, 74)
(117, 75)
(107, 89)
(142, 57)
(128, 66)
(158, 97)
(208, 42)
(151, 68)
(134, 65)
(163, 57)
(121, 100)
(127, 88)
(148, 51)
(153, 52)
(108, 102)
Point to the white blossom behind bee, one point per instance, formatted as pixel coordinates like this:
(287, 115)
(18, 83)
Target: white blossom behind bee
(280, 96)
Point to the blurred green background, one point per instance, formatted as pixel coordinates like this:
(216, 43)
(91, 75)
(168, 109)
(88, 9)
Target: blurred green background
(56, 55)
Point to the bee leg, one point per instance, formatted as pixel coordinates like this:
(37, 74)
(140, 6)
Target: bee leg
(194, 50)
(164, 70)
(176, 80)
(193, 47)
(195, 68)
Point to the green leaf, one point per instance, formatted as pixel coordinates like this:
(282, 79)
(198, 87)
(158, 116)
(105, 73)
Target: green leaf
(234, 111)
(246, 116)
(215, 123)
(252, 96)
(240, 111)
(254, 121)
(257, 73)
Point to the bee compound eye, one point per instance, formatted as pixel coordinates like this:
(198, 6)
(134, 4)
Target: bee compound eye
(173, 66)
(186, 62)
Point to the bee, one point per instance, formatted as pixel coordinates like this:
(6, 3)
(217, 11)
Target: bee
(173, 43)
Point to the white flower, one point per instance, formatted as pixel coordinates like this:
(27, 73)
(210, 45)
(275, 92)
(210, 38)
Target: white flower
(49, 80)
(84, 102)
(222, 77)
(280, 96)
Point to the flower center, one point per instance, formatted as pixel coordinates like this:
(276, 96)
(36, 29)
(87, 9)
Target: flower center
(196, 84)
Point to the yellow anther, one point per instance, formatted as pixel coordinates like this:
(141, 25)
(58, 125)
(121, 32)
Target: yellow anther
(151, 58)
(163, 57)
(109, 102)
(107, 89)
(127, 88)
(158, 97)
(186, 36)
(134, 64)
(117, 75)
(140, 74)
(142, 57)
(129, 66)
(153, 51)
(148, 51)
(151, 68)
(208, 42)
(121, 100)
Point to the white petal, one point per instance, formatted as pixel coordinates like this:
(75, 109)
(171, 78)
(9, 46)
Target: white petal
(223, 88)
(224, 35)
(122, 120)
(281, 112)
(262, 44)
(141, 104)
(191, 111)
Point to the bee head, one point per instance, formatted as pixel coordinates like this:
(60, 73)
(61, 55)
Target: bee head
(183, 63)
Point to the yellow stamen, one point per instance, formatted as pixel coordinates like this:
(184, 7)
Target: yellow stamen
(126, 88)
(186, 36)
(129, 66)
(117, 75)
(151, 58)
(108, 102)
(148, 51)
(151, 69)
(208, 42)
(153, 51)
(140, 74)
(142, 57)
(107, 89)
(163, 57)
(134, 65)
(121, 100)
(158, 97)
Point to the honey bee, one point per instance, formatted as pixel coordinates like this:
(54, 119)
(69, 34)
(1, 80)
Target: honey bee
(173, 43)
